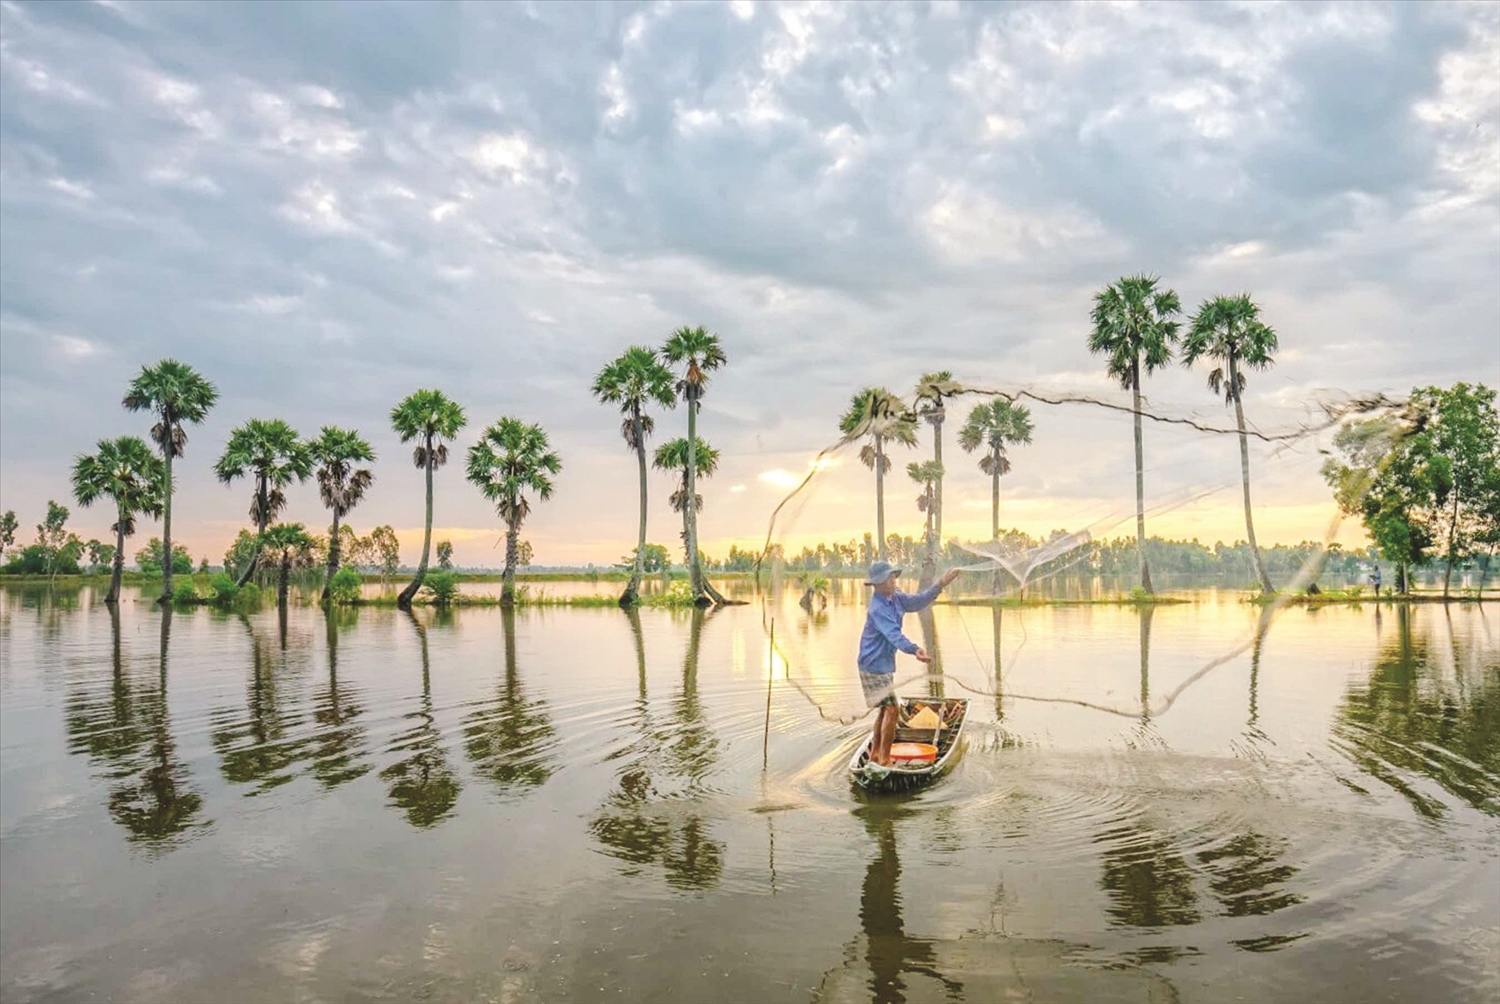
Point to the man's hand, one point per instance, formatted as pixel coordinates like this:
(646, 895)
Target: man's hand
(922, 655)
(948, 577)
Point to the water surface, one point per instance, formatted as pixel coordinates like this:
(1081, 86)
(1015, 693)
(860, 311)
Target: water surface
(571, 805)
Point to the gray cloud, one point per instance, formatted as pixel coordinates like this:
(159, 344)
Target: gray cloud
(324, 206)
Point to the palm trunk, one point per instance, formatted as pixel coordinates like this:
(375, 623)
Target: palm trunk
(1140, 478)
(628, 598)
(404, 600)
(333, 555)
(508, 589)
(286, 571)
(690, 514)
(113, 596)
(995, 510)
(1239, 416)
(1403, 584)
(999, 678)
(937, 456)
(166, 529)
(881, 550)
(260, 530)
(1452, 544)
(1146, 612)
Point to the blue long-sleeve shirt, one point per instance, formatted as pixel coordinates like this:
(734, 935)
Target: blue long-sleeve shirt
(882, 636)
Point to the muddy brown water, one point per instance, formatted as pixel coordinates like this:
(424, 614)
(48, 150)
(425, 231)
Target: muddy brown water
(570, 805)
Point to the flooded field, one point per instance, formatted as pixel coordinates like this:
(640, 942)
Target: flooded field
(582, 805)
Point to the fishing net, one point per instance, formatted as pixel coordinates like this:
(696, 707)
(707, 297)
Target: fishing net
(1018, 562)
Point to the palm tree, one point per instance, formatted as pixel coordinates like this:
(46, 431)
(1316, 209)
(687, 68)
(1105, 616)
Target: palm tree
(430, 417)
(673, 455)
(269, 451)
(1135, 326)
(928, 474)
(633, 381)
(995, 426)
(130, 475)
(178, 396)
(933, 392)
(511, 459)
(340, 483)
(291, 545)
(1229, 329)
(880, 415)
(699, 353)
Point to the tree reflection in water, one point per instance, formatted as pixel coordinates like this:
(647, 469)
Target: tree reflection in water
(421, 784)
(1246, 875)
(636, 824)
(269, 745)
(128, 734)
(1409, 720)
(1149, 882)
(511, 740)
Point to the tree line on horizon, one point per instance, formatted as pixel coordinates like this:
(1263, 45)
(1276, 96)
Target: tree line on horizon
(1435, 482)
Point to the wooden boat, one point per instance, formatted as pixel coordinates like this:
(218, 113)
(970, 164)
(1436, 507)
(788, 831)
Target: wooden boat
(902, 777)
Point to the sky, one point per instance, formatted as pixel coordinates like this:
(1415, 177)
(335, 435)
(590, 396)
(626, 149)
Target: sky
(323, 207)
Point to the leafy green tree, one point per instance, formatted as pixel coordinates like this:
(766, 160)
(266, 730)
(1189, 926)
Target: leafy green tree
(430, 418)
(128, 474)
(8, 526)
(933, 392)
(269, 452)
(101, 555)
(674, 456)
(340, 483)
(344, 588)
(512, 458)
(699, 353)
(385, 551)
(445, 555)
(1460, 441)
(178, 396)
(292, 547)
(634, 381)
(654, 558)
(149, 558)
(879, 416)
(443, 587)
(1135, 326)
(993, 427)
(1229, 329)
(1379, 477)
(58, 549)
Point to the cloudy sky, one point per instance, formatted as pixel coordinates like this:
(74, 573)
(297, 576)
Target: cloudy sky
(326, 206)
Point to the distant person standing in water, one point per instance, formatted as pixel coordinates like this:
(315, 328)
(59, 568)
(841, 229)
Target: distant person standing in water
(881, 640)
(1375, 577)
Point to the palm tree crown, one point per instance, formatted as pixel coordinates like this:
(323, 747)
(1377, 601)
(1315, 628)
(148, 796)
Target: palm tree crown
(428, 416)
(269, 451)
(699, 353)
(993, 426)
(1135, 326)
(127, 472)
(1229, 329)
(177, 395)
(673, 456)
(512, 458)
(633, 381)
(340, 483)
(933, 391)
(878, 413)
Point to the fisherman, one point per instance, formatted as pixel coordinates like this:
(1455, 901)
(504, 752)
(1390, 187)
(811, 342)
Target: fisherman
(878, 645)
(1375, 578)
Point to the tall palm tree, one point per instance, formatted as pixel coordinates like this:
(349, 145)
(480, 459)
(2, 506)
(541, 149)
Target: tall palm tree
(673, 455)
(994, 426)
(698, 353)
(269, 451)
(1135, 326)
(928, 474)
(511, 459)
(933, 392)
(126, 472)
(429, 417)
(877, 414)
(292, 546)
(633, 381)
(340, 483)
(1229, 329)
(178, 396)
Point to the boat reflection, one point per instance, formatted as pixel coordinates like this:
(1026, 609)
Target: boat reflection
(125, 731)
(510, 739)
(421, 784)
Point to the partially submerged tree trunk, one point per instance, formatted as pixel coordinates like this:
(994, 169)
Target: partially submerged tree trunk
(1140, 479)
(1239, 417)
(113, 596)
(166, 528)
(333, 556)
(508, 587)
(403, 601)
(690, 513)
(1452, 543)
(286, 571)
(260, 530)
(631, 594)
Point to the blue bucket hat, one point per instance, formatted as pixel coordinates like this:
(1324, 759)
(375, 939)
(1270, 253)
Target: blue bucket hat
(879, 572)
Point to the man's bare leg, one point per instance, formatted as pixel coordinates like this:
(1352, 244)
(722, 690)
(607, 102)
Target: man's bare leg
(885, 734)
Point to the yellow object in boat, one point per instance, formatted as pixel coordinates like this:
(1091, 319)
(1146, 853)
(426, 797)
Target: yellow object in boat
(924, 719)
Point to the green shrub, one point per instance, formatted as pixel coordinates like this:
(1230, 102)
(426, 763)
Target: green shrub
(1353, 592)
(345, 585)
(222, 589)
(441, 586)
(248, 598)
(185, 592)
